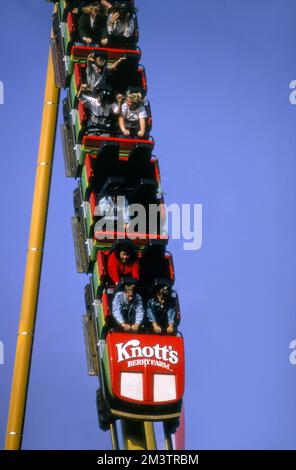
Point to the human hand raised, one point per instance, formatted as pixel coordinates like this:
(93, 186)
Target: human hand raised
(114, 17)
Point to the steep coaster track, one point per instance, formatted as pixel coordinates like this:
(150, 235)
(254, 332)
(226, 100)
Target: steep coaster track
(146, 383)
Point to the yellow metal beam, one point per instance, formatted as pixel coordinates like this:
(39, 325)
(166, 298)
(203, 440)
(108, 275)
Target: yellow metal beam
(33, 266)
(138, 435)
(150, 435)
(133, 435)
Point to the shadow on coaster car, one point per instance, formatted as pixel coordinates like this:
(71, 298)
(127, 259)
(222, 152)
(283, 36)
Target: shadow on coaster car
(154, 262)
(142, 191)
(129, 76)
(97, 168)
(92, 231)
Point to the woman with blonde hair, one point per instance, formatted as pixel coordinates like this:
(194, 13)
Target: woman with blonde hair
(92, 26)
(132, 120)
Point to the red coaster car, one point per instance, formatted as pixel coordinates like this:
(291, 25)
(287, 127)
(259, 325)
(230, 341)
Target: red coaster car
(143, 376)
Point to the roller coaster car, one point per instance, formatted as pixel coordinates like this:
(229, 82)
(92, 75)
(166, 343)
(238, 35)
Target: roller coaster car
(141, 229)
(65, 6)
(66, 53)
(128, 76)
(145, 192)
(80, 117)
(142, 377)
(154, 261)
(97, 167)
(79, 54)
(103, 309)
(140, 165)
(69, 25)
(95, 145)
(92, 144)
(89, 236)
(99, 310)
(65, 24)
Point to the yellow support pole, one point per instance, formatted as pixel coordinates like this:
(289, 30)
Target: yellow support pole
(133, 435)
(138, 435)
(33, 266)
(150, 435)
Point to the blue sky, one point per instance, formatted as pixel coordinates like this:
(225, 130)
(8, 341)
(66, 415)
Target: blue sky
(218, 77)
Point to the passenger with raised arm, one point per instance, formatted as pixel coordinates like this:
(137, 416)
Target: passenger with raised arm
(101, 109)
(123, 262)
(161, 312)
(132, 120)
(120, 22)
(106, 4)
(97, 70)
(127, 308)
(92, 26)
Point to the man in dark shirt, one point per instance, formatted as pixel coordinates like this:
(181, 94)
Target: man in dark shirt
(161, 311)
(101, 109)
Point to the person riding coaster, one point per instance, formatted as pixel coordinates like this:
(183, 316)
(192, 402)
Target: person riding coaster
(120, 22)
(161, 308)
(92, 26)
(123, 262)
(133, 116)
(97, 70)
(127, 307)
(122, 25)
(102, 110)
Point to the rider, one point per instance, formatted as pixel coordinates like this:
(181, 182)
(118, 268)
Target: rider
(127, 307)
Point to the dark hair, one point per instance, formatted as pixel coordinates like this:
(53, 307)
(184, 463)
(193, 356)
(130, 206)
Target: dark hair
(161, 284)
(105, 94)
(127, 281)
(129, 249)
(122, 7)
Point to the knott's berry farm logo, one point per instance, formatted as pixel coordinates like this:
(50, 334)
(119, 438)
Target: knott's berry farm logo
(161, 356)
